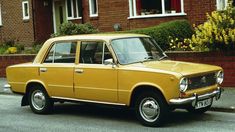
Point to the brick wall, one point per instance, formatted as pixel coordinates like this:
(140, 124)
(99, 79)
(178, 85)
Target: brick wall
(8, 60)
(226, 61)
(14, 27)
(113, 11)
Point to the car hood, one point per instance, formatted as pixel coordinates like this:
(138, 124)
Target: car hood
(184, 68)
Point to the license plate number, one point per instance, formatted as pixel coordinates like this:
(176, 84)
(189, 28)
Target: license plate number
(203, 103)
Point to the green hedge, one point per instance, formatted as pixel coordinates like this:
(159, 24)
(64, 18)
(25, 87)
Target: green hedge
(70, 28)
(176, 29)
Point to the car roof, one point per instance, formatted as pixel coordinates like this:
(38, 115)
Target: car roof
(106, 37)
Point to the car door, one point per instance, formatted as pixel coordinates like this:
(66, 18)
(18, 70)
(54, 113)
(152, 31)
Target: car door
(93, 80)
(57, 69)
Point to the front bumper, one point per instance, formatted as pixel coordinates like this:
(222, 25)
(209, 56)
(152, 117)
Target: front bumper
(194, 99)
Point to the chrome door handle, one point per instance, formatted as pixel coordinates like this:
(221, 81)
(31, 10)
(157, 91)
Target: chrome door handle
(43, 69)
(79, 70)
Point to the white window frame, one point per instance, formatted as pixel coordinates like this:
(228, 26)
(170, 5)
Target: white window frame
(133, 11)
(90, 9)
(72, 10)
(23, 10)
(219, 6)
(0, 15)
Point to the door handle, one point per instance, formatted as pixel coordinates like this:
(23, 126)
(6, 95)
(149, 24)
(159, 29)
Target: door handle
(79, 70)
(43, 69)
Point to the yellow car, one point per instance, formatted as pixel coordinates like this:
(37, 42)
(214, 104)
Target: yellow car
(116, 69)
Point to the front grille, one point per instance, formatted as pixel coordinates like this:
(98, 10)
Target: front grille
(202, 81)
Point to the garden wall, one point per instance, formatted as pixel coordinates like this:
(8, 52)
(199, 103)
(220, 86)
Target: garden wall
(7, 60)
(225, 60)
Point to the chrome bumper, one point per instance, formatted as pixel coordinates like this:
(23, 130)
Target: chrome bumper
(194, 99)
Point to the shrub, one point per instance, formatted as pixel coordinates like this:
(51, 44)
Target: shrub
(163, 33)
(217, 33)
(70, 28)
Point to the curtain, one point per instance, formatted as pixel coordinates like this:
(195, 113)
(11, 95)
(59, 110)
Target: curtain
(138, 7)
(176, 5)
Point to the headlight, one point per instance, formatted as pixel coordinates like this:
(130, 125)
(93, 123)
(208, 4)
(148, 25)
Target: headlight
(183, 84)
(220, 77)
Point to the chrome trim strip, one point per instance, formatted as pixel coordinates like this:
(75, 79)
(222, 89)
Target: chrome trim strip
(51, 85)
(90, 101)
(7, 86)
(180, 101)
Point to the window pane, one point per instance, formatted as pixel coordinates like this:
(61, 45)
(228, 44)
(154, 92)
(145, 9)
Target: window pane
(69, 8)
(148, 7)
(173, 6)
(26, 9)
(107, 54)
(49, 58)
(65, 52)
(131, 50)
(75, 8)
(79, 2)
(221, 4)
(93, 7)
(91, 52)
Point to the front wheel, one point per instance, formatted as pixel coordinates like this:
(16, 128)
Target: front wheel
(39, 101)
(150, 109)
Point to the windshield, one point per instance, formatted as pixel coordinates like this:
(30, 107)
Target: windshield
(133, 50)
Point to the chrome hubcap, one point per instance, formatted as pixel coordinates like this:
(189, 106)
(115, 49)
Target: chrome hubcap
(149, 109)
(38, 100)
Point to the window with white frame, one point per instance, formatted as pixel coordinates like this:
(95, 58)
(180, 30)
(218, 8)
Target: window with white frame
(221, 4)
(93, 7)
(0, 15)
(142, 8)
(25, 10)
(73, 9)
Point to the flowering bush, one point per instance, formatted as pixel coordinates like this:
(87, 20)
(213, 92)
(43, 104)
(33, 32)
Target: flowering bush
(177, 44)
(217, 33)
(11, 50)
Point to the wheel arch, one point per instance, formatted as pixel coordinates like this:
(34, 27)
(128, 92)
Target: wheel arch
(25, 101)
(138, 89)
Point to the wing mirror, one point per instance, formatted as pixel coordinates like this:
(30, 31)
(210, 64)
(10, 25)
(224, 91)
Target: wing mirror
(108, 62)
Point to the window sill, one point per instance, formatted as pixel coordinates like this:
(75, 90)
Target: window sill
(26, 20)
(95, 15)
(157, 15)
(74, 18)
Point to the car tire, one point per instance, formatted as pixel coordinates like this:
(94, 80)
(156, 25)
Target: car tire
(151, 109)
(191, 109)
(39, 101)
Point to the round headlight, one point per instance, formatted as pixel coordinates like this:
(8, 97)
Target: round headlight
(220, 77)
(183, 84)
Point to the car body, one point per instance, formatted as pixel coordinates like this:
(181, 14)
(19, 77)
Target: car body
(117, 69)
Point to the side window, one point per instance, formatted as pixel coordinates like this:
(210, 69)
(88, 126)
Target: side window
(93, 53)
(63, 52)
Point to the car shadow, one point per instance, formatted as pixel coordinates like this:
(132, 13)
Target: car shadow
(124, 114)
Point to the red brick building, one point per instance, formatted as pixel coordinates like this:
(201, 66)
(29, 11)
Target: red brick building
(30, 21)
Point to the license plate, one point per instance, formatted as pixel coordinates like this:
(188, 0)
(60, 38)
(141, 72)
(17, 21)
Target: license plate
(203, 103)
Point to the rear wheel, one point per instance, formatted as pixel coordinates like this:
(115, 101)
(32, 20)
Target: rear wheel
(150, 109)
(39, 101)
